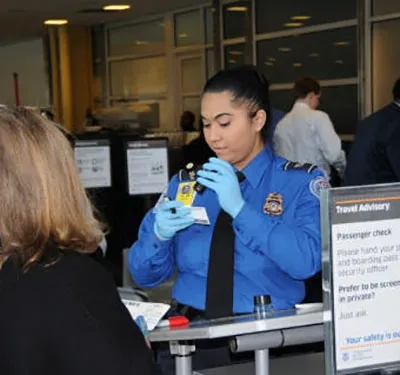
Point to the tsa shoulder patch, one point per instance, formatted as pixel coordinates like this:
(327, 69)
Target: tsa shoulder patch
(318, 184)
(295, 166)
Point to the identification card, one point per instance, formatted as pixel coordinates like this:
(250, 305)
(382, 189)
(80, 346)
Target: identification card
(186, 193)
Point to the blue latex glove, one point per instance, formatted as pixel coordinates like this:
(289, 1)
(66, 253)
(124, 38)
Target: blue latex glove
(167, 223)
(219, 176)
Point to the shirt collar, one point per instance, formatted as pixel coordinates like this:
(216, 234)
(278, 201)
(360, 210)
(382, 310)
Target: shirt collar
(255, 170)
(299, 104)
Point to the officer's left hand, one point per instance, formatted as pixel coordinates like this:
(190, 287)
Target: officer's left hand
(219, 176)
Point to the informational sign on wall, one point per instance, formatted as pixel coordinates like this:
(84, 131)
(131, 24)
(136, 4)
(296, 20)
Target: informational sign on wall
(94, 163)
(365, 277)
(147, 163)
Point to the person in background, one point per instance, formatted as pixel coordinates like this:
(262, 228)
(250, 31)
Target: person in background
(60, 310)
(306, 134)
(197, 151)
(187, 121)
(375, 154)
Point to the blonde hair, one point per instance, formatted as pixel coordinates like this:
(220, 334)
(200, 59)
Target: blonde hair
(43, 206)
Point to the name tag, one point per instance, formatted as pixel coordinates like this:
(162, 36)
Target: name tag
(186, 193)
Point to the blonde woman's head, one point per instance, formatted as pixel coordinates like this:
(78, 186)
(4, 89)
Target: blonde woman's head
(43, 206)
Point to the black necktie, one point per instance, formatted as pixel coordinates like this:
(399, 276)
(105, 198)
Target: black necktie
(219, 298)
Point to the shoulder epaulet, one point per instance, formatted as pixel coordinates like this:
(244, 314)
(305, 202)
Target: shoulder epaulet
(295, 166)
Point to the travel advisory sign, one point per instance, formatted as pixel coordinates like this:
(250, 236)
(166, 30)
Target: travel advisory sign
(365, 245)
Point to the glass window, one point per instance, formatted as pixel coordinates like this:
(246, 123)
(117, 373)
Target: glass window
(131, 78)
(142, 38)
(324, 55)
(151, 113)
(209, 25)
(188, 29)
(192, 75)
(380, 7)
(339, 102)
(289, 14)
(234, 55)
(235, 17)
(385, 61)
(192, 104)
(210, 63)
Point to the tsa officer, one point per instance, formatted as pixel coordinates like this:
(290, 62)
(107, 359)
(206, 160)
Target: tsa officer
(254, 230)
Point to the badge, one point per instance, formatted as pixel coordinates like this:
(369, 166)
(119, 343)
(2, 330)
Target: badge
(186, 193)
(273, 204)
(318, 184)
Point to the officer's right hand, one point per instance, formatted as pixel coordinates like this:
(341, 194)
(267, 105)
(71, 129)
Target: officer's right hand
(170, 218)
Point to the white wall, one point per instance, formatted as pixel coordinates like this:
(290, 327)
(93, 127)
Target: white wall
(28, 60)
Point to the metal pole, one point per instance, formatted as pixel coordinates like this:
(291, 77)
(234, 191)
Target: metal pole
(183, 357)
(183, 365)
(262, 361)
(274, 339)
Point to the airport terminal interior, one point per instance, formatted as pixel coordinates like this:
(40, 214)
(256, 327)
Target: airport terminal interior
(124, 81)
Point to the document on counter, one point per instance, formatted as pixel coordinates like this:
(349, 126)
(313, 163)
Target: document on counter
(152, 312)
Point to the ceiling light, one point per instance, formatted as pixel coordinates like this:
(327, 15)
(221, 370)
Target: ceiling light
(284, 49)
(116, 7)
(269, 63)
(273, 59)
(141, 42)
(235, 53)
(342, 43)
(297, 65)
(314, 54)
(182, 36)
(339, 62)
(300, 18)
(236, 9)
(293, 24)
(55, 22)
(232, 61)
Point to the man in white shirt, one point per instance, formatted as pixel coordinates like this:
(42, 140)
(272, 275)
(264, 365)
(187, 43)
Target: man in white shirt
(307, 135)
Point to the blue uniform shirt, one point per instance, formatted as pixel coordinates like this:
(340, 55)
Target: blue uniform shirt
(273, 253)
